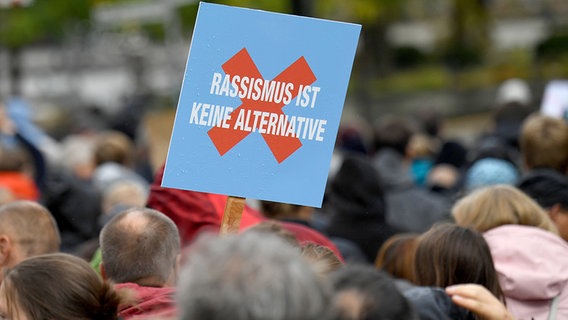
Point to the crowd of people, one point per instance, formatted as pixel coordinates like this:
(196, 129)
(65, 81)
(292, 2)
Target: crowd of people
(413, 226)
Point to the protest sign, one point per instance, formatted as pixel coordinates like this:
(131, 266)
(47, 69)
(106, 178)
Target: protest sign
(555, 99)
(260, 104)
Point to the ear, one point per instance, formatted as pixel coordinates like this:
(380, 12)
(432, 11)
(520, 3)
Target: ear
(177, 266)
(5, 249)
(172, 279)
(554, 211)
(102, 271)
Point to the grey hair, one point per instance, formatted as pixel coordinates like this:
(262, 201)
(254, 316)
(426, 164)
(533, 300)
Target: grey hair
(252, 276)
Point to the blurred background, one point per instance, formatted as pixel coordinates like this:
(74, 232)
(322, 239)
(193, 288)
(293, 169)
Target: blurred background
(85, 61)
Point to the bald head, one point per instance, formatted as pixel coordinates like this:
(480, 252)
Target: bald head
(141, 246)
(26, 229)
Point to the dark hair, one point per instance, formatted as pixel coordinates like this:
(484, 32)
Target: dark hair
(364, 293)
(448, 254)
(357, 185)
(547, 187)
(59, 286)
(429, 119)
(393, 132)
(278, 210)
(139, 243)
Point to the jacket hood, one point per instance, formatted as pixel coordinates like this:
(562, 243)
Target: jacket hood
(356, 193)
(391, 170)
(193, 212)
(149, 301)
(532, 263)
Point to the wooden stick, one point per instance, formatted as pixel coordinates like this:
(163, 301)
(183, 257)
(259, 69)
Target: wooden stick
(232, 215)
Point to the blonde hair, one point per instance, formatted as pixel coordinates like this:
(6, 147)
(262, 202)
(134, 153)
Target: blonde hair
(498, 205)
(322, 258)
(544, 142)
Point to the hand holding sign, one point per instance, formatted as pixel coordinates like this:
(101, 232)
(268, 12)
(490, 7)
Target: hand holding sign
(284, 83)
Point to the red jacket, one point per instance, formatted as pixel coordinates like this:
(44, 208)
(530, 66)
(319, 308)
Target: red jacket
(194, 212)
(150, 302)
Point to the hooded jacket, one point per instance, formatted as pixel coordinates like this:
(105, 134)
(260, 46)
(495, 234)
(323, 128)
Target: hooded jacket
(532, 265)
(358, 208)
(408, 207)
(433, 303)
(150, 302)
(195, 212)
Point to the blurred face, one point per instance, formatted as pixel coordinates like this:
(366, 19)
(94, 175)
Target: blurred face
(561, 221)
(12, 312)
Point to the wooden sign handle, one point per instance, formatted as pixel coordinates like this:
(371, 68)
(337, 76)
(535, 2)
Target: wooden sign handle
(232, 215)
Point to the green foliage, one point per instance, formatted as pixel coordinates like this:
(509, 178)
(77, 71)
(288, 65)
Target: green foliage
(44, 20)
(554, 47)
(268, 5)
(188, 14)
(408, 57)
(361, 11)
(469, 34)
(428, 77)
(154, 31)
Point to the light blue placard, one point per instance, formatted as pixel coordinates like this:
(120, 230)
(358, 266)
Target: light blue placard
(272, 42)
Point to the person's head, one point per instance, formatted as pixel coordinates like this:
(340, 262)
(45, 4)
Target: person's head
(56, 286)
(251, 276)
(354, 135)
(364, 293)
(498, 205)
(393, 132)
(448, 254)
(124, 193)
(275, 228)
(514, 90)
(26, 229)
(77, 154)
(279, 210)
(396, 256)
(322, 258)
(508, 119)
(490, 171)
(113, 146)
(141, 246)
(549, 189)
(357, 188)
(430, 120)
(16, 172)
(544, 143)
(493, 147)
(12, 158)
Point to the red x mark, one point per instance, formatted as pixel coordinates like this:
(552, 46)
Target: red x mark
(298, 73)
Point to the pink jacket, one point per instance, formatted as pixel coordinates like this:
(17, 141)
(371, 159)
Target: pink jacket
(532, 265)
